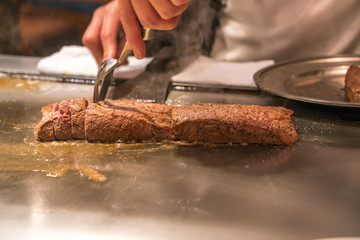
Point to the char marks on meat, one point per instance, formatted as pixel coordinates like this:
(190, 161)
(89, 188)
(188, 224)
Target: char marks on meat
(132, 121)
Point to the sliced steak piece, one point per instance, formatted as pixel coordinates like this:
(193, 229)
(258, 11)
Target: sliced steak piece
(128, 121)
(352, 84)
(77, 109)
(223, 123)
(45, 128)
(62, 121)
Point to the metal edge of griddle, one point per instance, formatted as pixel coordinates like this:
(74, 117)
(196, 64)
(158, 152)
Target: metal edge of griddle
(25, 67)
(181, 86)
(55, 77)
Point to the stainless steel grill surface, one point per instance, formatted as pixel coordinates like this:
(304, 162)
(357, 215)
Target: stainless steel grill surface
(174, 190)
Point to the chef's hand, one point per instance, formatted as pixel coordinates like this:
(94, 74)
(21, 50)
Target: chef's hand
(101, 36)
(123, 16)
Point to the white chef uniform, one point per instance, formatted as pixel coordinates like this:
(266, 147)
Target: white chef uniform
(287, 29)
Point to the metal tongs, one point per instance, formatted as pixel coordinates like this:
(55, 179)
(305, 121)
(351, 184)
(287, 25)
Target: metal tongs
(106, 69)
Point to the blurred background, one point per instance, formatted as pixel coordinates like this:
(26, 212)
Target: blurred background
(41, 27)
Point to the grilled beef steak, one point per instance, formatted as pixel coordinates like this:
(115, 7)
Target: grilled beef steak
(127, 120)
(77, 109)
(220, 123)
(45, 128)
(62, 121)
(352, 84)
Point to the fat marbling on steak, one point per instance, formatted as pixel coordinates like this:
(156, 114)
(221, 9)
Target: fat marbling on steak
(132, 121)
(352, 84)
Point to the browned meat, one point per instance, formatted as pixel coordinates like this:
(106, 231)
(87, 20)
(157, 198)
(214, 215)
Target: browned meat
(62, 121)
(126, 120)
(221, 123)
(352, 84)
(77, 109)
(45, 129)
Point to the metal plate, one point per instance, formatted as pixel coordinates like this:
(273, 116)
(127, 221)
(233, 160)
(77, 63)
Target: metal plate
(319, 80)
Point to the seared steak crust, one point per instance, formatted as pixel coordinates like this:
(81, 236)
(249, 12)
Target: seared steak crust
(45, 128)
(62, 121)
(352, 84)
(77, 109)
(222, 123)
(126, 120)
(132, 121)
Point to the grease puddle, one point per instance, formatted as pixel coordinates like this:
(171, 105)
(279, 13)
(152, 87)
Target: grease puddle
(56, 159)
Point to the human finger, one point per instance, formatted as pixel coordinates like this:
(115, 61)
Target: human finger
(166, 9)
(179, 2)
(109, 31)
(131, 26)
(149, 17)
(91, 36)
